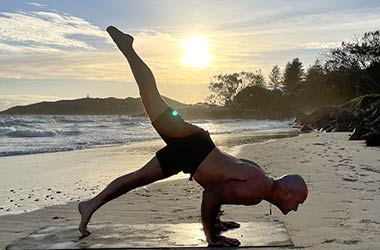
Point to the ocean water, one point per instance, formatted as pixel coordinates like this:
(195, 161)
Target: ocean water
(34, 134)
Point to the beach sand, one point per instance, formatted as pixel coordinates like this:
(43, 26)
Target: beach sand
(341, 211)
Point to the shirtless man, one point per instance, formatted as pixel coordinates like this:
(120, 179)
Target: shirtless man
(224, 178)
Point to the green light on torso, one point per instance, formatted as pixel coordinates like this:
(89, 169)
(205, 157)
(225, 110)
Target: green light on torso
(174, 113)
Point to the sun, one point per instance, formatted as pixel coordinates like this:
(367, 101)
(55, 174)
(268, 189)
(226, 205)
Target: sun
(196, 52)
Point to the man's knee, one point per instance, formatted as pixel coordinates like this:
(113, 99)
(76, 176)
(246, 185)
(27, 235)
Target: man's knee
(142, 178)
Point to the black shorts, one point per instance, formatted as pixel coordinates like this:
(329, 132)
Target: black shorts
(181, 153)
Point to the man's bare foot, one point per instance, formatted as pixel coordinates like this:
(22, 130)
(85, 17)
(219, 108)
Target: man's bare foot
(85, 209)
(122, 40)
(222, 241)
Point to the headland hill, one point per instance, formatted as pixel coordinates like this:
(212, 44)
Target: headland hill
(133, 107)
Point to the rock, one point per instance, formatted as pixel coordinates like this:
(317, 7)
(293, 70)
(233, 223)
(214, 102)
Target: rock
(306, 129)
(372, 139)
(300, 117)
(330, 128)
(376, 123)
(358, 133)
(343, 120)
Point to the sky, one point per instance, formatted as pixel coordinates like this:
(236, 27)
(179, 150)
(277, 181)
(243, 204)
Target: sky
(51, 50)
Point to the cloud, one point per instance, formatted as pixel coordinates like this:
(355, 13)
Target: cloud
(321, 45)
(45, 32)
(8, 101)
(161, 51)
(303, 16)
(26, 49)
(37, 4)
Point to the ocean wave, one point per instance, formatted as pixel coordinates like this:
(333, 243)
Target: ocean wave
(69, 132)
(17, 120)
(32, 133)
(34, 151)
(102, 126)
(6, 130)
(129, 123)
(74, 119)
(16, 123)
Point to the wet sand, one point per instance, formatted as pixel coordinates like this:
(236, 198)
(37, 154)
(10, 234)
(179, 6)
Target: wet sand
(341, 211)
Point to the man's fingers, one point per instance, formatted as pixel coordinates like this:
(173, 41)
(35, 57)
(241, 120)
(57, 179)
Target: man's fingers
(231, 224)
(219, 227)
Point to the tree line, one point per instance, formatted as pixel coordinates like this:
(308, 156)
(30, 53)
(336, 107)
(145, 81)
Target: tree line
(351, 70)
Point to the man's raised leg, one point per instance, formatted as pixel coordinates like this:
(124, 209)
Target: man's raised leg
(153, 103)
(150, 173)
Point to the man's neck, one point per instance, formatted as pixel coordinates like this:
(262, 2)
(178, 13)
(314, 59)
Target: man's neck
(269, 196)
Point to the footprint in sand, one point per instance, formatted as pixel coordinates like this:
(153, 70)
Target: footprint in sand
(367, 221)
(319, 144)
(347, 201)
(351, 242)
(328, 241)
(372, 169)
(350, 179)
(366, 199)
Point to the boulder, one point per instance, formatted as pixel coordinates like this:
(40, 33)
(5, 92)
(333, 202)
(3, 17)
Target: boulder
(358, 133)
(306, 129)
(343, 121)
(372, 139)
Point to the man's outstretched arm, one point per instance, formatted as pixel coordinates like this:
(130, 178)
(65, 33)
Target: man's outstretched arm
(209, 211)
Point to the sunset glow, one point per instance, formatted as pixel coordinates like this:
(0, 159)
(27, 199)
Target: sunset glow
(196, 52)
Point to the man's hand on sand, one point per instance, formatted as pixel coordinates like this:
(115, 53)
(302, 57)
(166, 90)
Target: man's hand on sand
(222, 241)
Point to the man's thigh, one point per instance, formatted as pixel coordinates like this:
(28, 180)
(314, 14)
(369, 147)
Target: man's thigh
(170, 124)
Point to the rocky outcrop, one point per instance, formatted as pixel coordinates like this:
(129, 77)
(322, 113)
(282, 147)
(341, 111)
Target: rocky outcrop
(360, 116)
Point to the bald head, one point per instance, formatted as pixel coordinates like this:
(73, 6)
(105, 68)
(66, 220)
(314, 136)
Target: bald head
(294, 182)
(291, 191)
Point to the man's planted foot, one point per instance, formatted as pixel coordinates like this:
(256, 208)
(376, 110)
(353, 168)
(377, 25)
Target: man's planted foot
(222, 241)
(86, 212)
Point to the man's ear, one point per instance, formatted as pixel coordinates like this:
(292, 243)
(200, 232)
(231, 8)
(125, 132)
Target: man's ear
(287, 194)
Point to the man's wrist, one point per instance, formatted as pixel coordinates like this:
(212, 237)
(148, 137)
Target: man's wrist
(212, 236)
